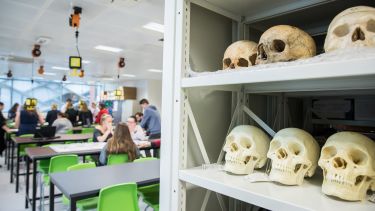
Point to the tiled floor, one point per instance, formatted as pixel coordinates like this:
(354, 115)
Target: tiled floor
(12, 201)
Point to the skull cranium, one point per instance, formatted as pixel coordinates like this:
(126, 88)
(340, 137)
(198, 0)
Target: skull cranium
(240, 54)
(294, 154)
(284, 43)
(353, 27)
(246, 148)
(348, 163)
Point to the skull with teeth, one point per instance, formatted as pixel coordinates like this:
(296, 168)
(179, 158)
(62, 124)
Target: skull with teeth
(294, 154)
(240, 54)
(246, 148)
(284, 43)
(348, 163)
(351, 28)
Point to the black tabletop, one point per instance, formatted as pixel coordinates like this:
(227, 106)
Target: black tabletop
(88, 182)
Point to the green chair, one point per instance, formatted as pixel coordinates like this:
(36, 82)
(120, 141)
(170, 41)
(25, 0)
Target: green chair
(58, 163)
(69, 131)
(86, 130)
(118, 197)
(149, 193)
(24, 146)
(84, 204)
(114, 159)
(43, 165)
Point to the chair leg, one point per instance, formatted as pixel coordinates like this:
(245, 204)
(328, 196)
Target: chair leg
(41, 186)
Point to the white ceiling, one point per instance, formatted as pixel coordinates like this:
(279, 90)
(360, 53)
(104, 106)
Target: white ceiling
(118, 24)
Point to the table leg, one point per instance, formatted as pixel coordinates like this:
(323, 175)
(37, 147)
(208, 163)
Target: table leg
(27, 182)
(51, 196)
(73, 205)
(6, 148)
(18, 168)
(8, 154)
(34, 185)
(12, 160)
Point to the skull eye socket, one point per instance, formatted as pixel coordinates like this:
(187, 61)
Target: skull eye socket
(278, 45)
(371, 25)
(274, 145)
(328, 152)
(245, 143)
(252, 58)
(261, 52)
(227, 62)
(296, 148)
(342, 30)
(242, 62)
(358, 157)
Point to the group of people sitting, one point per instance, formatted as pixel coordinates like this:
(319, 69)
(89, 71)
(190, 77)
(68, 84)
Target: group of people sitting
(127, 137)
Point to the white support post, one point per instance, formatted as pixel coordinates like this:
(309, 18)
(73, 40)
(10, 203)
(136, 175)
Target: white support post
(205, 200)
(197, 134)
(258, 120)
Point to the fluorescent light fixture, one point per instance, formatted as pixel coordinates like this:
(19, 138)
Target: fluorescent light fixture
(155, 70)
(60, 68)
(128, 75)
(155, 27)
(48, 73)
(108, 79)
(86, 61)
(108, 48)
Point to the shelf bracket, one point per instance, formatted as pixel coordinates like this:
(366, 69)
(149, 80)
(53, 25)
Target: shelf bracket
(197, 133)
(259, 121)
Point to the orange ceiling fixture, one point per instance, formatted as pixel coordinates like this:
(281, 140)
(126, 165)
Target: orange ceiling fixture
(41, 70)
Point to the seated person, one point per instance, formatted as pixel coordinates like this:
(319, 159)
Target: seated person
(120, 143)
(103, 132)
(62, 124)
(136, 131)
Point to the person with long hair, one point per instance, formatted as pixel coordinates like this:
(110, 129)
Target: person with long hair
(120, 143)
(13, 111)
(27, 120)
(85, 115)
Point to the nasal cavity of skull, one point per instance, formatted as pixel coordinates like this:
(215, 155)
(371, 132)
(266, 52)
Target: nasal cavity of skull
(358, 157)
(245, 143)
(298, 167)
(342, 30)
(242, 62)
(261, 52)
(226, 62)
(282, 154)
(358, 35)
(329, 152)
(339, 163)
(371, 25)
(278, 45)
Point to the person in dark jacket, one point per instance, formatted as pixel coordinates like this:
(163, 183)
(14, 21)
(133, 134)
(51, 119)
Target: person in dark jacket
(12, 111)
(52, 114)
(85, 115)
(3, 129)
(71, 113)
(27, 120)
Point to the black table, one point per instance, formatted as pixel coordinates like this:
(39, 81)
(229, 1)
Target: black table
(18, 141)
(8, 141)
(86, 183)
(39, 153)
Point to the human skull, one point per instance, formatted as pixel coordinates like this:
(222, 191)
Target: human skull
(294, 154)
(351, 28)
(240, 54)
(246, 148)
(284, 43)
(348, 163)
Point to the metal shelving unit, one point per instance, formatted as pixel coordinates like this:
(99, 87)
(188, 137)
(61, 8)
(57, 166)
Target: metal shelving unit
(189, 138)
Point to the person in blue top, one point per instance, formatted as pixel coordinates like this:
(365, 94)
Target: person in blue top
(27, 120)
(151, 119)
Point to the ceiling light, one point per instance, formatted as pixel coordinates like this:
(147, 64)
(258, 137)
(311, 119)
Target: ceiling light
(155, 27)
(155, 70)
(108, 79)
(85, 62)
(108, 48)
(128, 75)
(48, 73)
(60, 68)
